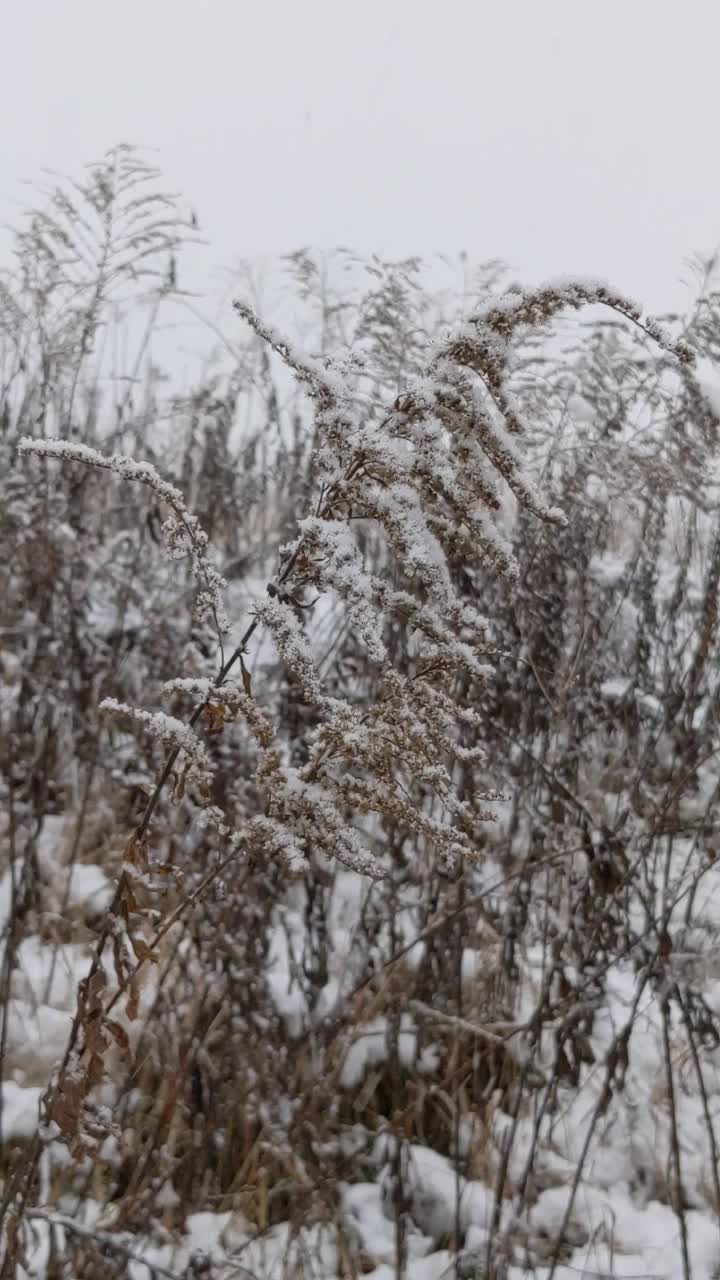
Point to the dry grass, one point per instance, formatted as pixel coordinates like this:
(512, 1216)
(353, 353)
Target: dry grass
(192, 1075)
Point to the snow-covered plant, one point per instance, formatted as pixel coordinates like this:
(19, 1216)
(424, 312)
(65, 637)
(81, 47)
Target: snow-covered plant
(97, 255)
(608, 722)
(331, 942)
(425, 469)
(420, 469)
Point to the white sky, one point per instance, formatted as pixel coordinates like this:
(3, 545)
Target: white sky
(562, 135)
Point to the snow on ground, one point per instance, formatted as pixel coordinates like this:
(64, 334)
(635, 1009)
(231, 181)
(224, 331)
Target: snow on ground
(621, 1223)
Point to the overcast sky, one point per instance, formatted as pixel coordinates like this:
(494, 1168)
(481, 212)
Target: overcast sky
(562, 135)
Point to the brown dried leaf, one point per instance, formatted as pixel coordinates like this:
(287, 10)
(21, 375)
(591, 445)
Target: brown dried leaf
(94, 988)
(143, 951)
(119, 1034)
(132, 1007)
(95, 1040)
(136, 852)
(215, 713)
(95, 1071)
(128, 902)
(90, 1009)
(66, 1103)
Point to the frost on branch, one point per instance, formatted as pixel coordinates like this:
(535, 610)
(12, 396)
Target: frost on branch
(224, 703)
(360, 725)
(408, 497)
(181, 530)
(167, 729)
(291, 644)
(420, 480)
